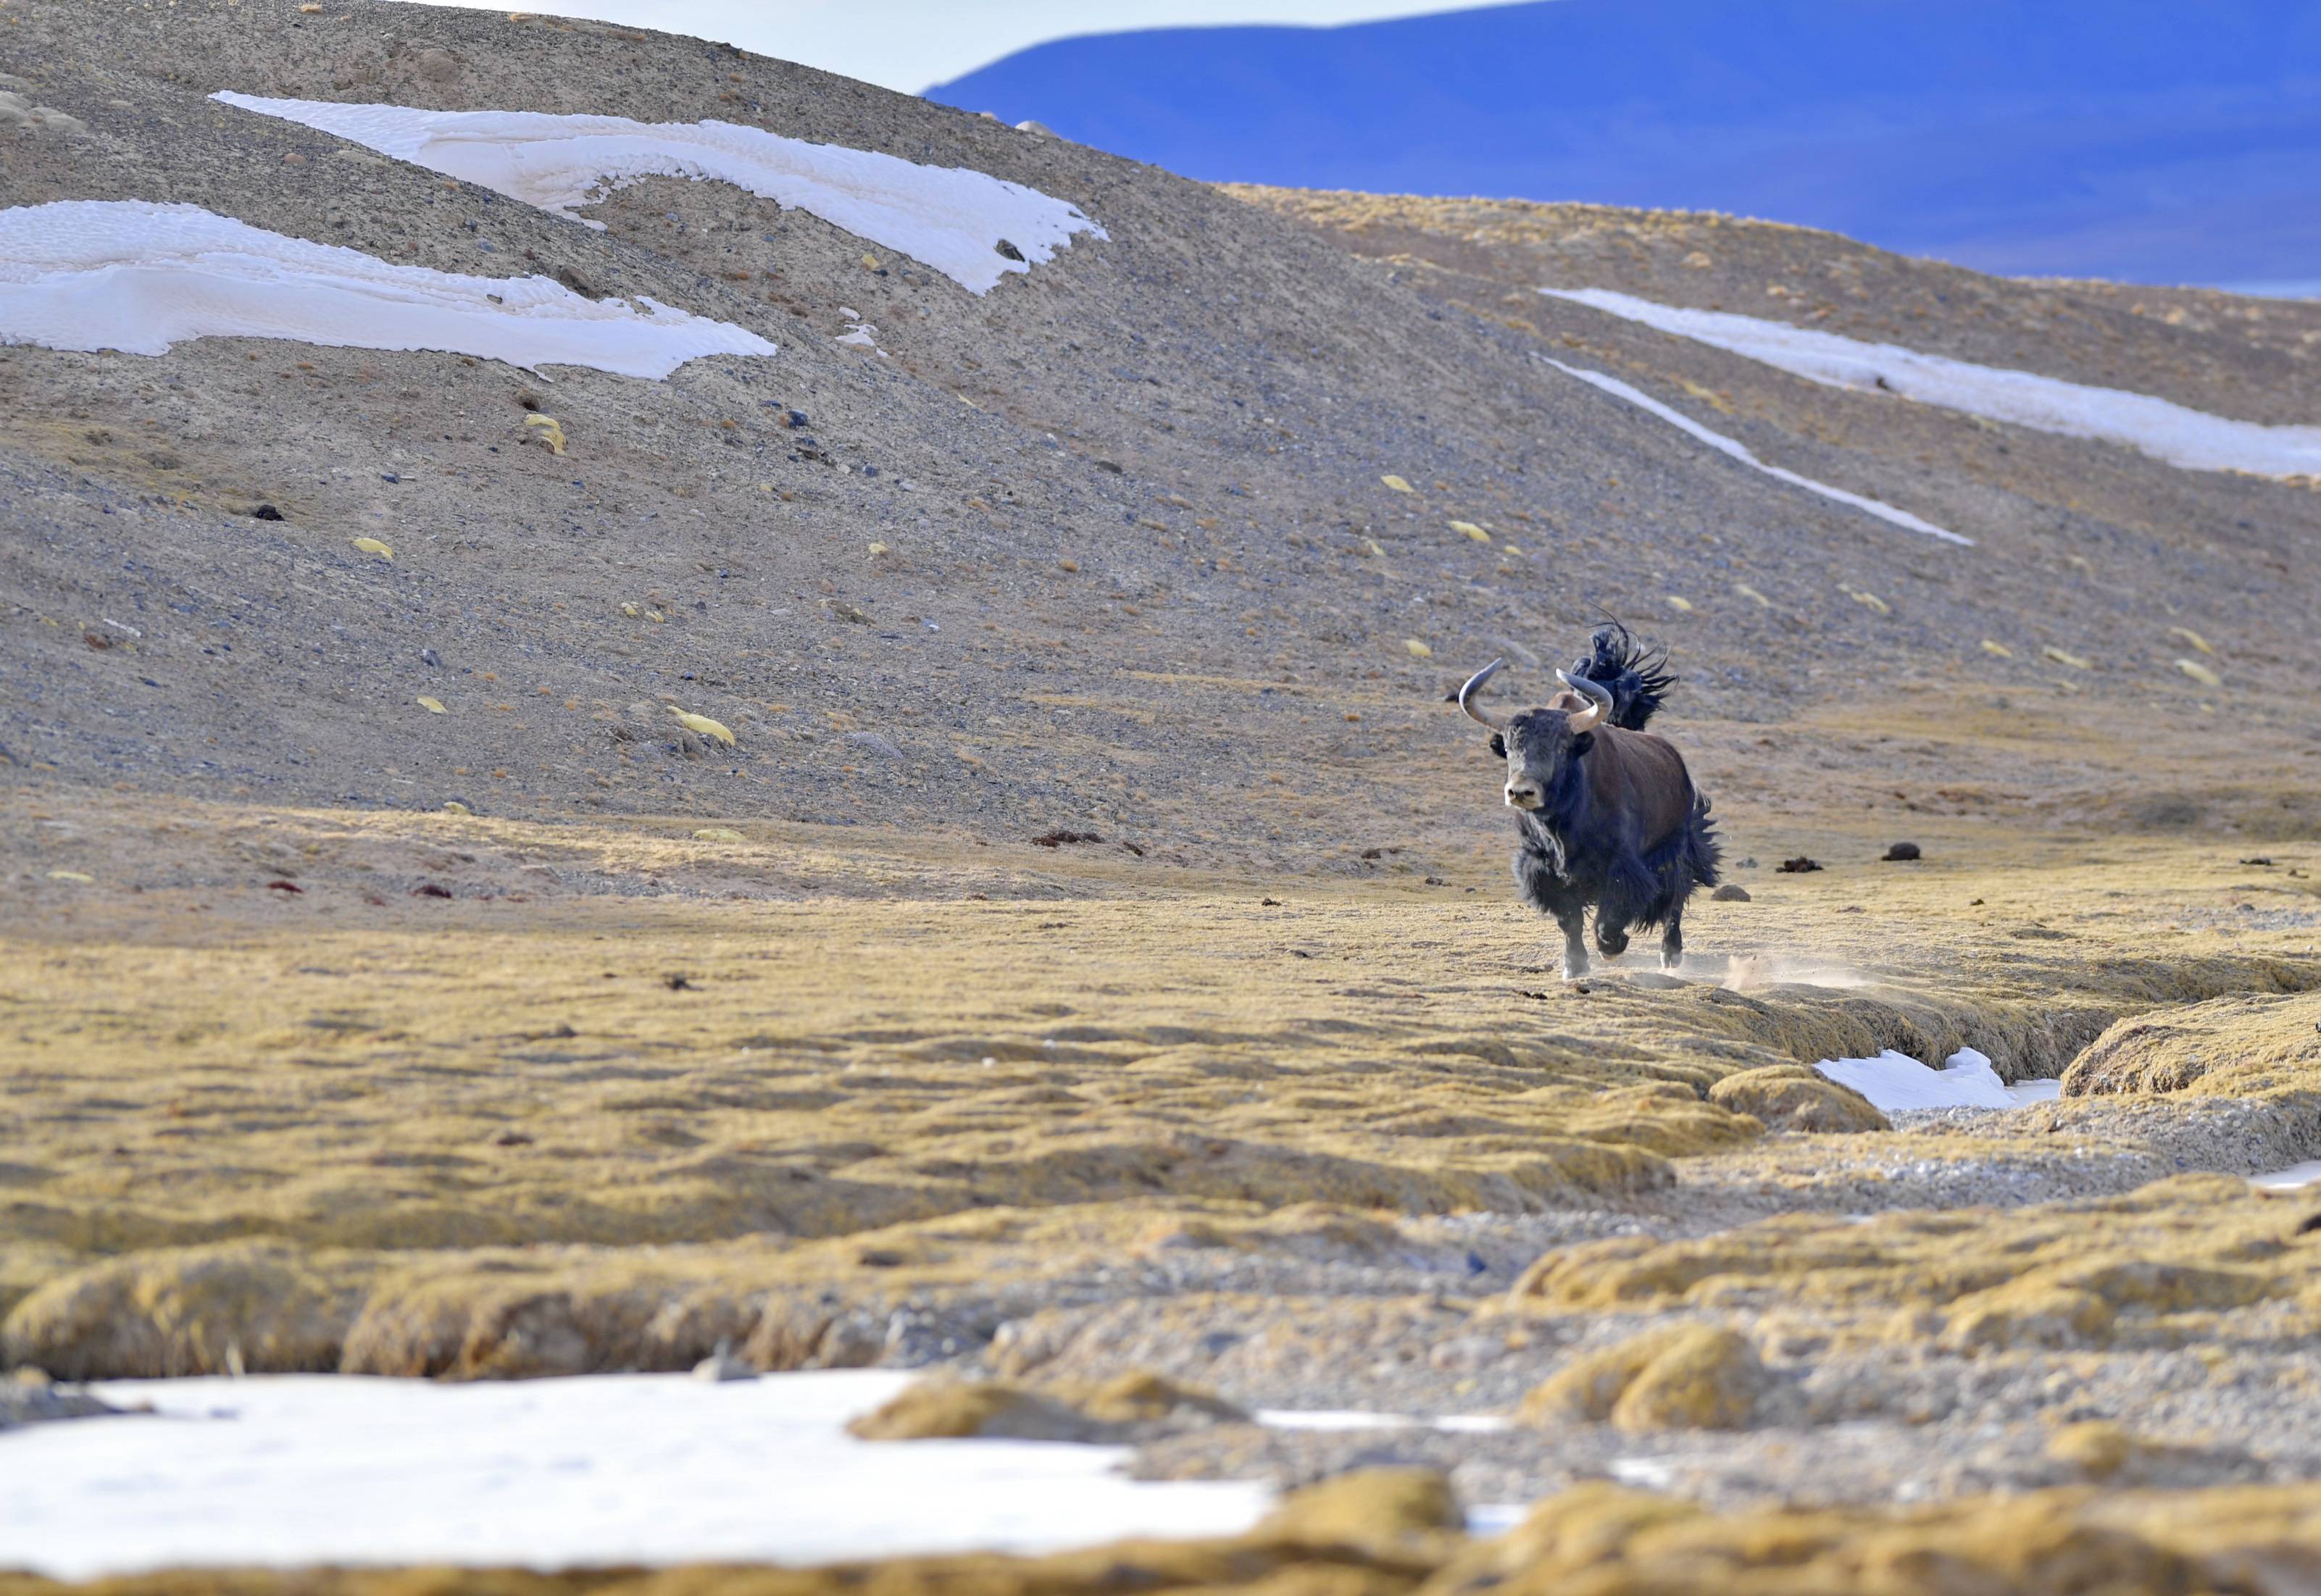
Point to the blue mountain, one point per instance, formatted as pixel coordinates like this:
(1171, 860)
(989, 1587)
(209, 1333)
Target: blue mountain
(2145, 139)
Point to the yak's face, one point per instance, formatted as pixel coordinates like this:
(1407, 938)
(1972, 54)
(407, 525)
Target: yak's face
(1539, 745)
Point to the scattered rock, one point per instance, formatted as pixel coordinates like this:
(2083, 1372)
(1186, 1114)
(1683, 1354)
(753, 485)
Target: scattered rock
(29, 1397)
(874, 743)
(720, 1366)
(1060, 838)
(266, 512)
(1798, 866)
(1730, 894)
(1901, 851)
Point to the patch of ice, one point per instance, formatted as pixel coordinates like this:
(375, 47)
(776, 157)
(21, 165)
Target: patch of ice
(284, 1471)
(954, 218)
(2296, 1177)
(1645, 1474)
(2182, 436)
(137, 276)
(1739, 451)
(2020, 1092)
(1495, 1517)
(1895, 1080)
(1331, 1419)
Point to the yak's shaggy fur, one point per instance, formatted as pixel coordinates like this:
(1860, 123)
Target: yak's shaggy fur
(1607, 818)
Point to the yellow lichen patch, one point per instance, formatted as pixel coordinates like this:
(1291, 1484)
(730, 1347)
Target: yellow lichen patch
(1686, 1376)
(548, 430)
(1999, 649)
(2200, 673)
(1399, 485)
(2065, 657)
(702, 725)
(2192, 637)
(434, 706)
(1417, 649)
(373, 545)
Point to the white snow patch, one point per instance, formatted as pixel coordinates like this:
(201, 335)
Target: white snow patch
(2296, 1177)
(284, 1471)
(1739, 451)
(953, 218)
(136, 277)
(2180, 436)
(1894, 1080)
(2046, 1090)
(1332, 1418)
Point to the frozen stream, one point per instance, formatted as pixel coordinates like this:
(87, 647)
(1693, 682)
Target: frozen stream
(286, 1470)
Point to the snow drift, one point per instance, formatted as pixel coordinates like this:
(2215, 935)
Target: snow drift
(1741, 452)
(137, 276)
(1895, 1080)
(2191, 439)
(295, 1469)
(954, 219)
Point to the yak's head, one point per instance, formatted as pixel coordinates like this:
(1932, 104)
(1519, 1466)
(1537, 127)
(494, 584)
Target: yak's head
(1539, 745)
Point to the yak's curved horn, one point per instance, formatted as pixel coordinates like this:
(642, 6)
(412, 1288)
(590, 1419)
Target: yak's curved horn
(1600, 702)
(1474, 686)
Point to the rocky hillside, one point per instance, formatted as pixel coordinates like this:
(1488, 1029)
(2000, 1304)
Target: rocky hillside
(1109, 547)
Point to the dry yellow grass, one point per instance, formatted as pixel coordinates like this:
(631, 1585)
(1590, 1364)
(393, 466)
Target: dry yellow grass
(309, 1126)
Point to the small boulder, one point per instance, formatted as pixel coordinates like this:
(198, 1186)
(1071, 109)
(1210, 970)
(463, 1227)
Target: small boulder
(1798, 866)
(1730, 894)
(1900, 852)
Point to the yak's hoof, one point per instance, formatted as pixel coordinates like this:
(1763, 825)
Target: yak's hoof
(1672, 959)
(1575, 969)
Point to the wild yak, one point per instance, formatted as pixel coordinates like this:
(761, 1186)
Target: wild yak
(1608, 813)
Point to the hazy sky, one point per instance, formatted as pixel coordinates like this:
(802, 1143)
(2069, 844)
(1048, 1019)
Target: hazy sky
(912, 44)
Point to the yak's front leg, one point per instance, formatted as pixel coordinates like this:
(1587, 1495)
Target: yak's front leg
(1551, 893)
(1573, 918)
(1673, 941)
(1611, 935)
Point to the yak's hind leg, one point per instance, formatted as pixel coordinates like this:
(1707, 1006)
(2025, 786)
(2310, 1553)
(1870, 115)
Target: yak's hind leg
(1693, 862)
(1549, 894)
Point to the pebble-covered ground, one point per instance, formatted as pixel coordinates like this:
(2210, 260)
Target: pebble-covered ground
(1092, 956)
